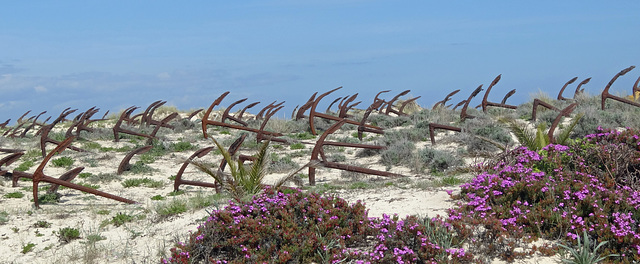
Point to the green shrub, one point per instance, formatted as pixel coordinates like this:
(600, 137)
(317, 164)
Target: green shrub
(296, 146)
(157, 197)
(303, 136)
(65, 162)
(397, 153)
(281, 164)
(4, 217)
(28, 248)
(26, 165)
(66, 234)
(146, 182)
(140, 167)
(436, 160)
(85, 175)
(42, 224)
(174, 207)
(14, 195)
(182, 146)
(49, 198)
(119, 219)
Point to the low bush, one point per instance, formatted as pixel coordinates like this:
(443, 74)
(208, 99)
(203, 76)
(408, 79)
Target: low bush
(299, 227)
(146, 182)
(558, 193)
(66, 234)
(64, 162)
(435, 160)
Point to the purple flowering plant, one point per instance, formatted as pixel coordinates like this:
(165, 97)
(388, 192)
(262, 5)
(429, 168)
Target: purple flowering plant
(299, 227)
(556, 194)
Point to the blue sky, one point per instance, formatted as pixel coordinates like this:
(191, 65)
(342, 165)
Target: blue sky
(115, 54)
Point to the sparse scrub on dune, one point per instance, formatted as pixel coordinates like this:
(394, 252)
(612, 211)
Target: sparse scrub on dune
(182, 146)
(412, 135)
(397, 153)
(279, 164)
(386, 121)
(483, 135)
(434, 160)
(65, 162)
(4, 217)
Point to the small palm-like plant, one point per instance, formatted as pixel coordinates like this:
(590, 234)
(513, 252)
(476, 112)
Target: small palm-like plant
(585, 253)
(242, 182)
(539, 137)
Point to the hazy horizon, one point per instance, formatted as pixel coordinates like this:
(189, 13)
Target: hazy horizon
(114, 55)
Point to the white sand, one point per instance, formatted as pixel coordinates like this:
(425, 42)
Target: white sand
(147, 239)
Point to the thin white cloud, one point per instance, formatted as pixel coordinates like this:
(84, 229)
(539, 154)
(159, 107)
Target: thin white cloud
(40, 89)
(164, 76)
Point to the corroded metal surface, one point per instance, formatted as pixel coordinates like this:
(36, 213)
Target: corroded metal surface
(317, 155)
(313, 113)
(560, 97)
(9, 159)
(260, 135)
(233, 149)
(463, 111)
(537, 102)
(125, 164)
(44, 133)
(206, 121)
(606, 95)
(434, 126)
(485, 100)
(361, 127)
(226, 115)
(39, 176)
(345, 106)
(126, 116)
(179, 178)
(444, 101)
(578, 90)
(564, 112)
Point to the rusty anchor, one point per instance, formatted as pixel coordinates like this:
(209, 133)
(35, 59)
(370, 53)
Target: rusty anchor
(578, 90)
(486, 103)
(313, 104)
(260, 135)
(345, 105)
(434, 126)
(560, 97)
(14, 154)
(125, 164)
(117, 128)
(317, 155)
(465, 105)
(537, 102)
(39, 176)
(45, 130)
(388, 105)
(361, 127)
(444, 101)
(82, 122)
(260, 114)
(206, 121)
(201, 153)
(564, 112)
(226, 115)
(606, 95)
(194, 113)
(328, 111)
